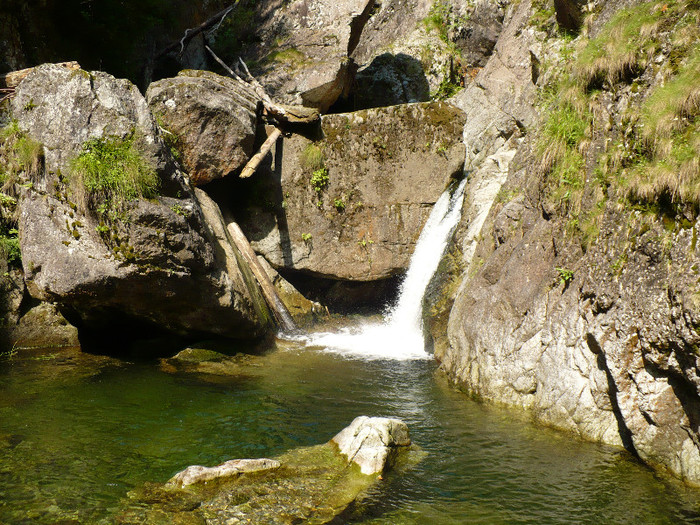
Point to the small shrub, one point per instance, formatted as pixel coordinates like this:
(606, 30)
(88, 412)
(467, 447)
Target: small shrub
(565, 275)
(9, 246)
(339, 204)
(110, 172)
(319, 179)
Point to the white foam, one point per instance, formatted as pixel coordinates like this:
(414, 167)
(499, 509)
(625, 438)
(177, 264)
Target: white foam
(400, 335)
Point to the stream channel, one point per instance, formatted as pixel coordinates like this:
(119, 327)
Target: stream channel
(79, 431)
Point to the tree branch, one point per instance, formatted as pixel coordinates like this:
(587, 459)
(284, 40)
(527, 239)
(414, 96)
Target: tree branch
(192, 32)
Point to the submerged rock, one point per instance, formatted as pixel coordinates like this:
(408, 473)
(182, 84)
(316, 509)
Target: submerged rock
(307, 485)
(159, 261)
(199, 474)
(211, 121)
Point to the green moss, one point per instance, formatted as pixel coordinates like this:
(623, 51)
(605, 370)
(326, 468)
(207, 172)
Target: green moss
(111, 172)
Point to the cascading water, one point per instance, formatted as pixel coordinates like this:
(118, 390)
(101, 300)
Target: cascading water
(400, 335)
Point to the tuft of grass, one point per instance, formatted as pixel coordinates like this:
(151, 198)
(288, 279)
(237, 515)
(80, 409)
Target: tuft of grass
(110, 172)
(312, 158)
(665, 156)
(19, 156)
(629, 41)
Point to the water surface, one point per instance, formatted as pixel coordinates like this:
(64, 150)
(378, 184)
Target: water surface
(76, 436)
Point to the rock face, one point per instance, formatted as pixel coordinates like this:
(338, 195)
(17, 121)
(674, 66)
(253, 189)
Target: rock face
(597, 337)
(307, 485)
(212, 120)
(305, 52)
(370, 441)
(161, 264)
(376, 174)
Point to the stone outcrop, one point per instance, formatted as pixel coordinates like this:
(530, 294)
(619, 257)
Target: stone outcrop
(160, 264)
(370, 442)
(307, 485)
(209, 119)
(376, 174)
(305, 49)
(595, 337)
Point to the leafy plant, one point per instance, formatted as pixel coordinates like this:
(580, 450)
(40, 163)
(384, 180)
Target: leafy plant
(111, 172)
(306, 237)
(319, 179)
(9, 246)
(339, 204)
(565, 275)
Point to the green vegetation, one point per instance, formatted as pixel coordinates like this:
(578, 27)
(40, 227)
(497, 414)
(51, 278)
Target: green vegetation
(319, 179)
(565, 275)
(312, 158)
(339, 204)
(109, 173)
(651, 163)
(21, 158)
(19, 154)
(306, 237)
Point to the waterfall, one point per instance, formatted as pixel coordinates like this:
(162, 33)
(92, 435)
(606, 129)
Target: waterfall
(400, 335)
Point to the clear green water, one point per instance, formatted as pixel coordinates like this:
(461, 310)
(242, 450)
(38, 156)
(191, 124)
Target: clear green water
(74, 438)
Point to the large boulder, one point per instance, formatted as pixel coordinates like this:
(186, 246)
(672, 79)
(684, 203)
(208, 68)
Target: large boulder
(210, 120)
(351, 205)
(305, 48)
(158, 261)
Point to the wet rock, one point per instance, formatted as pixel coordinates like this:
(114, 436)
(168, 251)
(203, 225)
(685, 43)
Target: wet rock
(211, 119)
(376, 175)
(198, 474)
(370, 441)
(306, 485)
(44, 326)
(161, 264)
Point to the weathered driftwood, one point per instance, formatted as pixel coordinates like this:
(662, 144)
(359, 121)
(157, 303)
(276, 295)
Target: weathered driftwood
(12, 79)
(279, 310)
(255, 160)
(192, 32)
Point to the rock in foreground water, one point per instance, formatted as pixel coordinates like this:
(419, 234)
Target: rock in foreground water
(306, 485)
(370, 441)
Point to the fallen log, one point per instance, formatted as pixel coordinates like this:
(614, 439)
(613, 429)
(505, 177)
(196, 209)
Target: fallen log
(279, 310)
(255, 160)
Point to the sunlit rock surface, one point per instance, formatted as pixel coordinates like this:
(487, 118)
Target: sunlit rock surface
(307, 485)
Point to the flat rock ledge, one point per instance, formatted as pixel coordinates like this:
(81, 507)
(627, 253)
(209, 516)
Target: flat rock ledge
(370, 441)
(199, 474)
